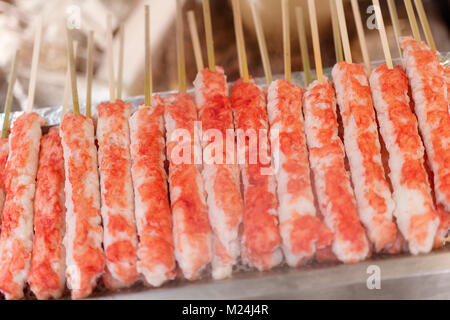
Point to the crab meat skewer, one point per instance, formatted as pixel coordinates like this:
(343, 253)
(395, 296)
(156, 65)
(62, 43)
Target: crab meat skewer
(84, 232)
(16, 240)
(156, 259)
(261, 240)
(47, 274)
(415, 213)
(191, 228)
(301, 230)
(4, 150)
(332, 182)
(429, 92)
(373, 196)
(221, 178)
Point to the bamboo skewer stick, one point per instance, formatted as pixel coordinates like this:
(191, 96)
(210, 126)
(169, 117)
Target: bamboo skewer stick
(286, 40)
(344, 32)
(148, 59)
(395, 24)
(73, 75)
(120, 72)
(361, 35)
(383, 35)
(180, 50)
(316, 42)
(67, 85)
(336, 32)
(262, 43)
(303, 44)
(10, 95)
(89, 73)
(109, 51)
(240, 41)
(425, 24)
(209, 35)
(412, 20)
(195, 41)
(34, 65)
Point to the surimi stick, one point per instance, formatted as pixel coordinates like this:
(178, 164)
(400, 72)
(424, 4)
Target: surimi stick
(83, 238)
(116, 186)
(335, 196)
(429, 92)
(220, 171)
(261, 240)
(156, 258)
(20, 182)
(363, 149)
(192, 234)
(4, 145)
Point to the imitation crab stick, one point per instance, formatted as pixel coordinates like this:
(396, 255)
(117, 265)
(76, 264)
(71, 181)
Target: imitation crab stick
(16, 240)
(373, 196)
(222, 181)
(191, 228)
(156, 259)
(47, 277)
(429, 92)
(332, 183)
(84, 232)
(261, 239)
(415, 213)
(117, 209)
(301, 230)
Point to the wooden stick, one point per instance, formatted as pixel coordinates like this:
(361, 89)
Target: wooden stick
(73, 75)
(262, 43)
(303, 44)
(195, 41)
(412, 20)
(316, 41)
(336, 32)
(120, 72)
(395, 24)
(286, 40)
(67, 85)
(344, 32)
(361, 36)
(425, 24)
(10, 94)
(240, 41)
(34, 65)
(209, 35)
(180, 49)
(89, 73)
(383, 35)
(109, 52)
(148, 59)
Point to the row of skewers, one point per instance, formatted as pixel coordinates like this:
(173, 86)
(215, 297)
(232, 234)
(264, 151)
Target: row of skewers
(74, 213)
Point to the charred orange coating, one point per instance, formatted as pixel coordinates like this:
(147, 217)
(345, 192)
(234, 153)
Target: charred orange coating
(429, 90)
(361, 140)
(153, 214)
(120, 238)
(300, 229)
(261, 238)
(221, 178)
(336, 198)
(46, 277)
(17, 215)
(85, 252)
(190, 214)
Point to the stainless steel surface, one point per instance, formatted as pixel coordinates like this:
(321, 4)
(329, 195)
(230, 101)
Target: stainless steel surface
(402, 277)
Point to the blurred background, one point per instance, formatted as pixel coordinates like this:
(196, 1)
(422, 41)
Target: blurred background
(19, 17)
